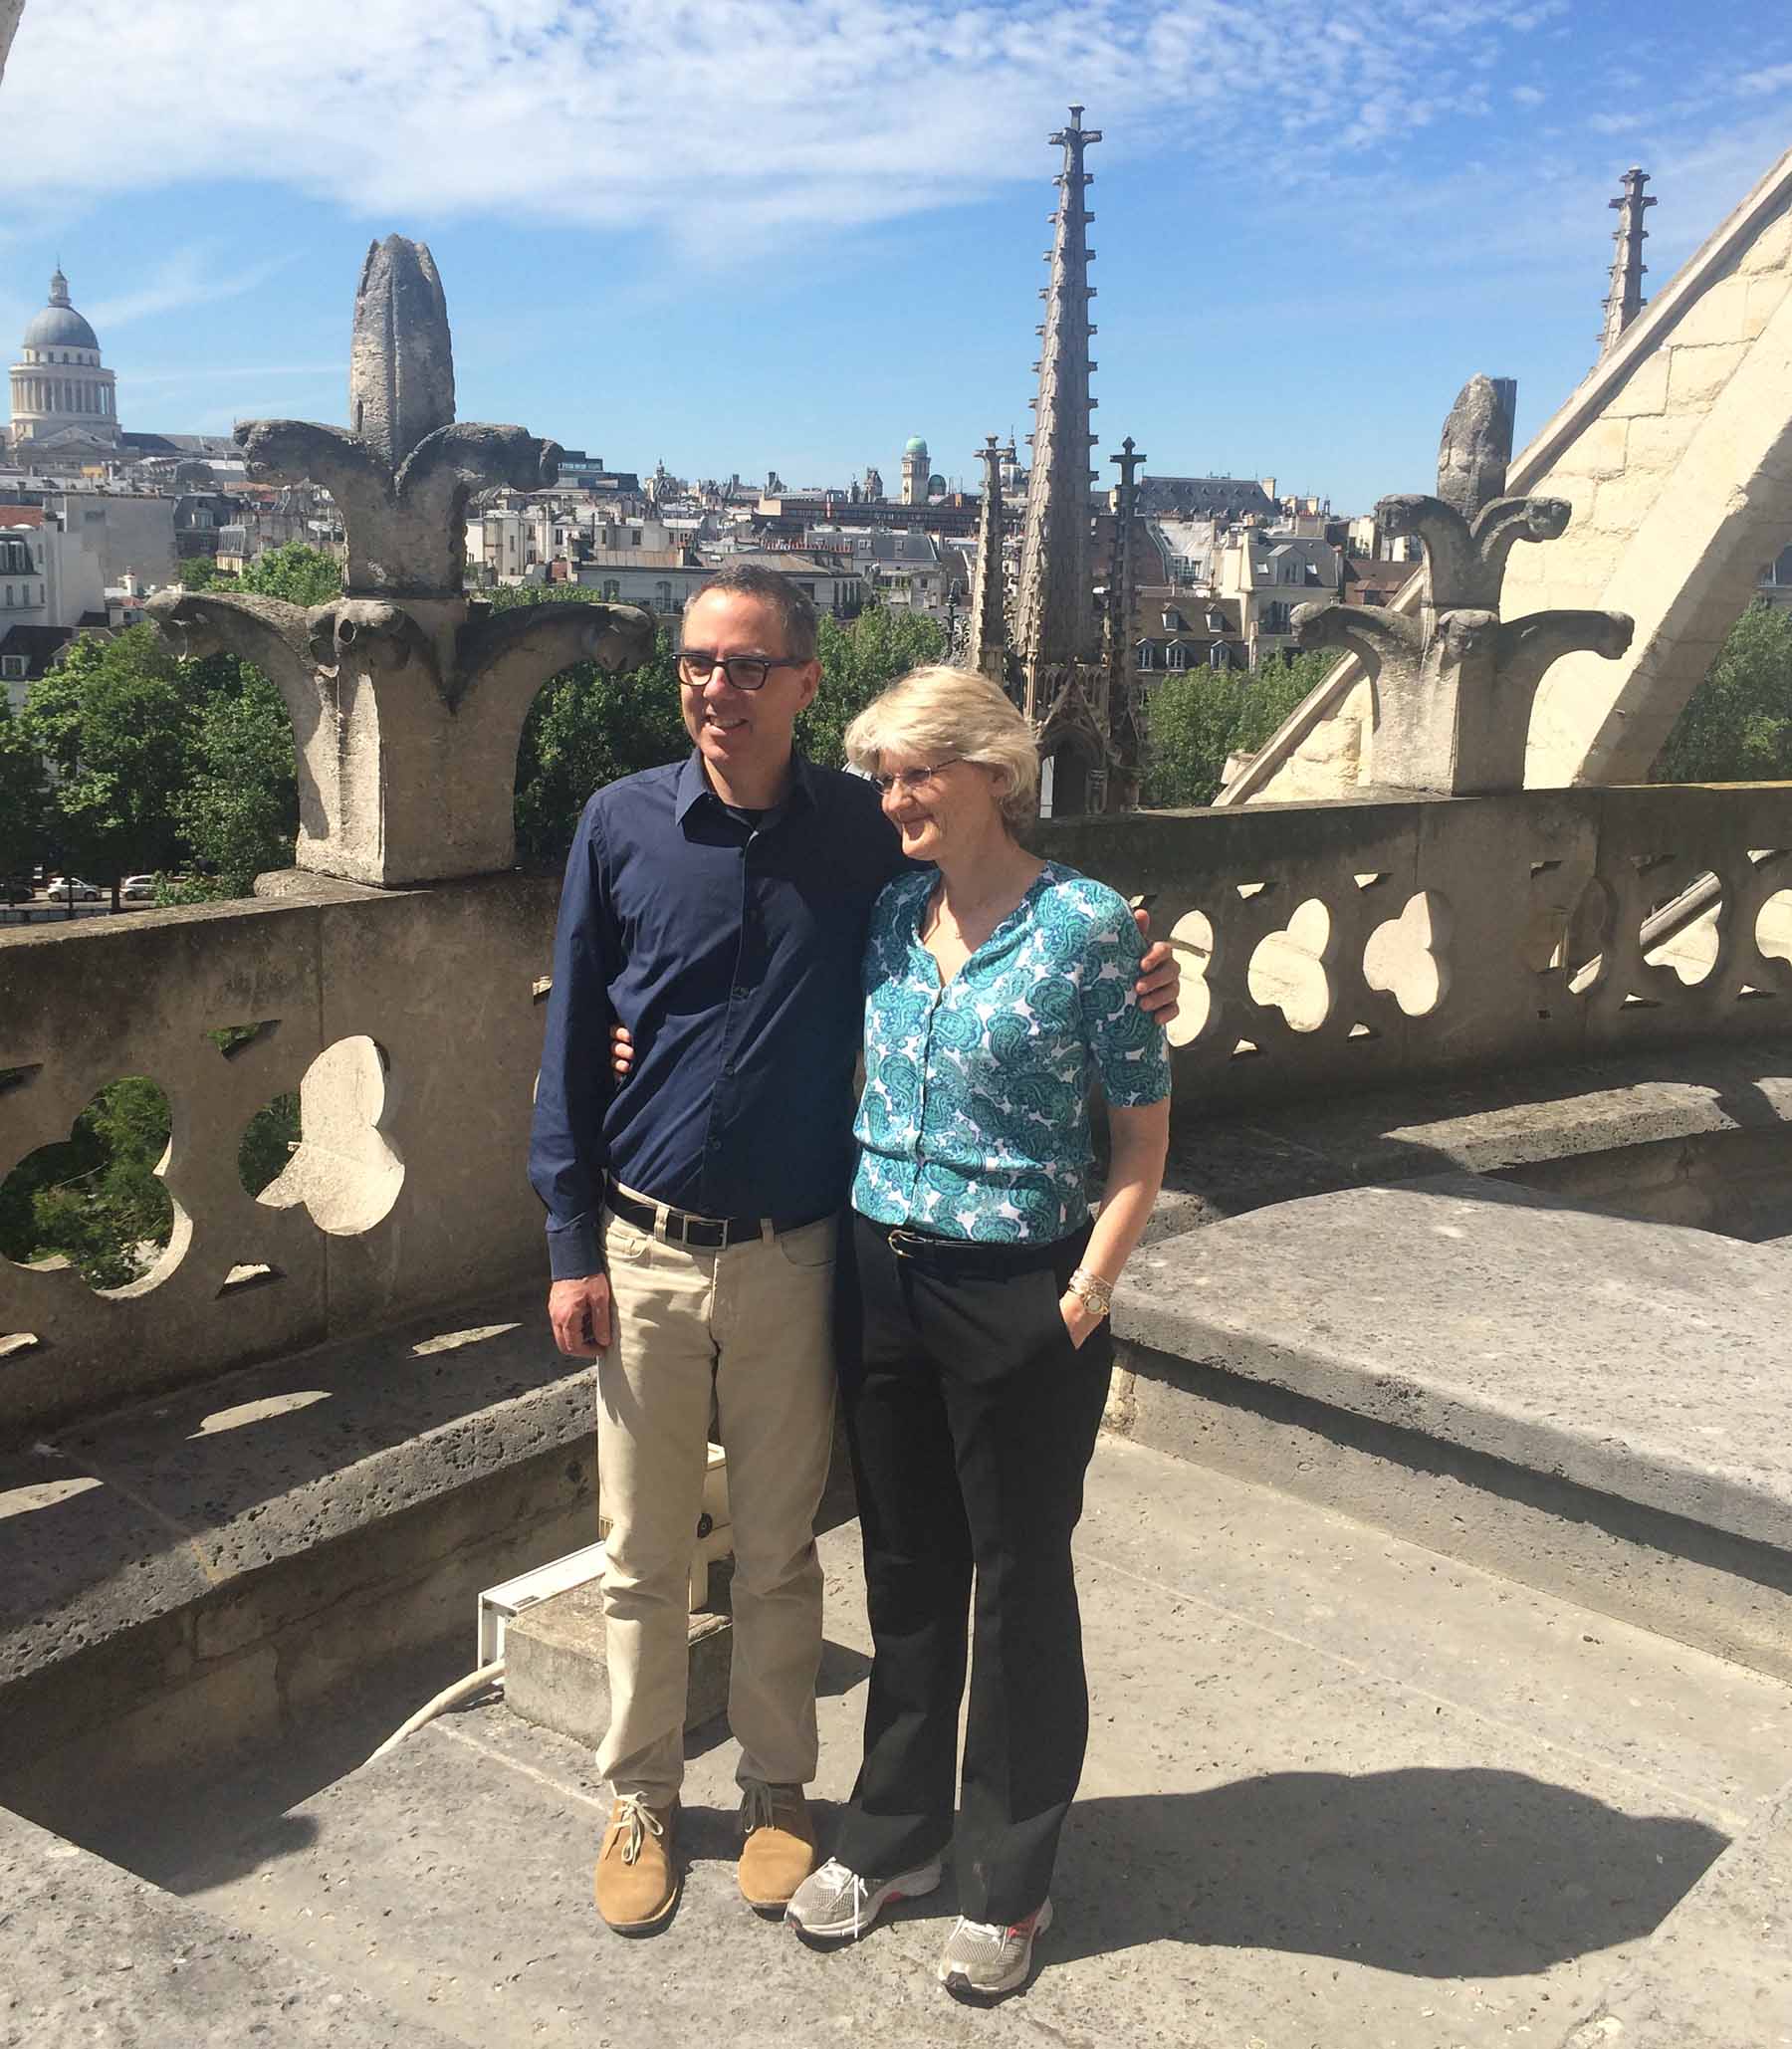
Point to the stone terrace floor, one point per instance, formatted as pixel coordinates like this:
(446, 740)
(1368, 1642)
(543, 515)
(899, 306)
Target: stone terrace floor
(1340, 1792)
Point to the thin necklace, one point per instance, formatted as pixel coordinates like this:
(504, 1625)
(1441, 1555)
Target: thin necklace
(936, 907)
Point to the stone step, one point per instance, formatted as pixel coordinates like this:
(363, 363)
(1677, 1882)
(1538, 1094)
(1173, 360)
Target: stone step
(1717, 1973)
(1595, 1405)
(556, 1677)
(197, 1570)
(1338, 1791)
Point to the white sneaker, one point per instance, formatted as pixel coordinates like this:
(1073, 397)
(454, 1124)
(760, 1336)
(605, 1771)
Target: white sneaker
(983, 1960)
(834, 1905)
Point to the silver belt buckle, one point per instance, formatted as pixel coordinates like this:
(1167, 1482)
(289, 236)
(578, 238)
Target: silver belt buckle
(901, 1250)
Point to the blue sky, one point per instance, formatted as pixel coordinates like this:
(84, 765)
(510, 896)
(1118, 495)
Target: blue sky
(743, 234)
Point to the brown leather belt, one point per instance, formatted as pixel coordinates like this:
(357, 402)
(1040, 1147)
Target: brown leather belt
(694, 1233)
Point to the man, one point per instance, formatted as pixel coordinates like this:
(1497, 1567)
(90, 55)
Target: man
(716, 909)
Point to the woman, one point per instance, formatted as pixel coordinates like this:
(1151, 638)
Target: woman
(998, 987)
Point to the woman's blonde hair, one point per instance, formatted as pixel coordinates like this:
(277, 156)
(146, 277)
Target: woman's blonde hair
(941, 711)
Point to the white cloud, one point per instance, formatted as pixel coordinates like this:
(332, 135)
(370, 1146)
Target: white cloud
(188, 276)
(1529, 96)
(722, 125)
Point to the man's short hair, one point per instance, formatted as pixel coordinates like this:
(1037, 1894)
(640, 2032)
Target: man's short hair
(795, 613)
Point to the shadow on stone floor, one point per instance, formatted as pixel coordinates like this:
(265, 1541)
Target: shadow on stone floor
(1437, 1873)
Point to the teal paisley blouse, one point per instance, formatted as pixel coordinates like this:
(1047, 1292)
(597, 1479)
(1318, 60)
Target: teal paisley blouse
(973, 1121)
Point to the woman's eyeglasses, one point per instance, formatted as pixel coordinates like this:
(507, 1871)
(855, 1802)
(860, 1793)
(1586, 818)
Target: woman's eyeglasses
(908, 781)
(744, 671)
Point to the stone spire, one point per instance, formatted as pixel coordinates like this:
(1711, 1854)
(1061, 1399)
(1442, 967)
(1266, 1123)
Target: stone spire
(1623, 295)
(1126, 723)
(1053, 617)
(986, 648)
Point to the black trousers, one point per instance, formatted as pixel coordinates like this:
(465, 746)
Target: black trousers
(971, 1417)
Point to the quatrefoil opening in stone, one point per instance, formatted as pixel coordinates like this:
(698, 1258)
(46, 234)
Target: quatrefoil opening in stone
(1407, 957)
(344, 1169)
(1192, 942)
(1773, 927)
(1290, 970)
(1688, 946)
(96, 1201)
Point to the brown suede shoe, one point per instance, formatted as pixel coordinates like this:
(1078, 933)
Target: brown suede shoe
(778, 1850)
(637, 1882)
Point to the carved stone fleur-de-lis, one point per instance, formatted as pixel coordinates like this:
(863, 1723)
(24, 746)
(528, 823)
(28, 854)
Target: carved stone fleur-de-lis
(1453, 684)
(407, 701)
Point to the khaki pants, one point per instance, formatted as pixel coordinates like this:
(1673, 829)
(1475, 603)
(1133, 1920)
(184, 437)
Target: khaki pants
(753, 1323)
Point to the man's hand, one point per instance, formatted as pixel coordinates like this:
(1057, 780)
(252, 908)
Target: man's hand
(1158, 990)
(580, 1315)
(1159, 987)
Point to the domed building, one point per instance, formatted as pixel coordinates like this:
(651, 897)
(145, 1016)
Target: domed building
(915, 471)
(61, 392)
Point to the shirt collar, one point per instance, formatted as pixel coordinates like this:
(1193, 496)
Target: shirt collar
(693, 785)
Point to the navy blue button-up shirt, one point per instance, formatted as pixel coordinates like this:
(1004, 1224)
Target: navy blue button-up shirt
(732, 951)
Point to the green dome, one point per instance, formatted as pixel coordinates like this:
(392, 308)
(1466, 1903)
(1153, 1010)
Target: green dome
(914, 445)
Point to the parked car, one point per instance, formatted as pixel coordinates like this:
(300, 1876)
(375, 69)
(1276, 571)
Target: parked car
(67, 889)
(17, 889)
(137, 889)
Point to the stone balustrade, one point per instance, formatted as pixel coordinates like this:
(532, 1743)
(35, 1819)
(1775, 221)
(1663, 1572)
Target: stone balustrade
(1322, 945)
(407, 1023)
(1340, 942)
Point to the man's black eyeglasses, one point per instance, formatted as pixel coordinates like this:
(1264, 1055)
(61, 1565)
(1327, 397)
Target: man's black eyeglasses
(744, 671)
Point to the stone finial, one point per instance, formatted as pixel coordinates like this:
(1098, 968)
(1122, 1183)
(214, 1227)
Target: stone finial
(407, 701)
(1624, 290)
(400, 354)
(1477, 445)
(1453, 685)
(986, 648)
(1125, 698)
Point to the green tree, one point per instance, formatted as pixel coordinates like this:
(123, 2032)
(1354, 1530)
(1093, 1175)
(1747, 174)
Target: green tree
(96, 1199)
(584, 730)
(859, 659)
(239, 810)
(1738, 725)
(115, 720)
(200, 573)
(1196, 720)
(299, 573)
(22, 793)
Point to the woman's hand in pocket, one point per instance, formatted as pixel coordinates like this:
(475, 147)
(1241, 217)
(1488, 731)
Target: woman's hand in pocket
(1078, 1320)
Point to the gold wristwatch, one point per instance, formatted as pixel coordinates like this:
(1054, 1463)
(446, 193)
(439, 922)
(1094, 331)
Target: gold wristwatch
(1096, 1294)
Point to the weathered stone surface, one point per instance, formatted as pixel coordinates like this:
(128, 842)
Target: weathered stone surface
(1472, 1299)
(387, 970)
(89, 1953)
(1452, 685)
(400, 354)
(556, 1674)
(247, 1539)
(1717, 1973)
(1296, 1726)
(1477, 445)
(406, 703)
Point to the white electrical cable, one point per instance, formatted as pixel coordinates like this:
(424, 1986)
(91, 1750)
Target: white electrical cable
(449, 1697)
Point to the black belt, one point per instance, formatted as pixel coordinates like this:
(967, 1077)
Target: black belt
(982, 1258)
(699, 1234)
